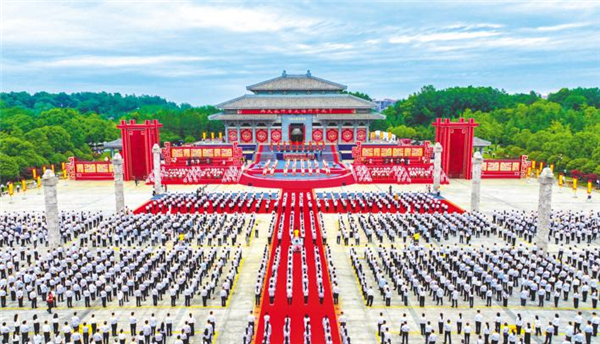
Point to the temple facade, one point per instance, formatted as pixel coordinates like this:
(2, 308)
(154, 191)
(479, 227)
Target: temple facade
(297, 108)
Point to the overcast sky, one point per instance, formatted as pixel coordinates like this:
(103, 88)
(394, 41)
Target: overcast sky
(207, 52)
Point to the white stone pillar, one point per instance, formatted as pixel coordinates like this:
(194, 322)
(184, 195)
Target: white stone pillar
(437, 166)
(544, 208)
(118, 172)
(156, 169)
(49, 181)
(476, 181)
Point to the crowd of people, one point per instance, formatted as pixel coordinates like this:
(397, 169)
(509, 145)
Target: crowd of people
(44, 329)
(367, 202)
(203, 201)
(565, 226)
(30, 228)
(182, 250)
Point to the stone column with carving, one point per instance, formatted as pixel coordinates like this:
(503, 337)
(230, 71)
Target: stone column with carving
(118, 172)
(156, 169)
(437, 166)
(49, 181)
(544, 208)
(476, 181)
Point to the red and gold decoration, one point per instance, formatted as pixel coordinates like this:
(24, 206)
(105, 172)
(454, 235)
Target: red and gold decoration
(347, 135)
(332, 135)
(262, 135)
(317, 135)
(275, 135)
(246, 135)
(361, 134)
(232, 135)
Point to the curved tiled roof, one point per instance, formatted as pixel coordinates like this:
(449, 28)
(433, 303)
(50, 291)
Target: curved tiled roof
(296, 82)
(329, 101)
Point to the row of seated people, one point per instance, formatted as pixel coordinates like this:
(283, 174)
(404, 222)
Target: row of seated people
(218, 201)
(85, 329)
(362, 173)
(30, 228)
(287, 147)
(405, 202)
(575, 328)
(507, 276)
(84, 277)
(192, 174)
(565, 226)
(232, 175)
(383, 172)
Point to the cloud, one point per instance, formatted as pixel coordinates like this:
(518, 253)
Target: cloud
(114, 61)
(562, 27)
(440, 36)
(106, 25)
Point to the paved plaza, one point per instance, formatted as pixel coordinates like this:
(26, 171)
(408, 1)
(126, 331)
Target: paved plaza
(497, 194)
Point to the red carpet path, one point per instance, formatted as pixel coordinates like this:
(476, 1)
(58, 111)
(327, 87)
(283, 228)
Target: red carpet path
(280, 308)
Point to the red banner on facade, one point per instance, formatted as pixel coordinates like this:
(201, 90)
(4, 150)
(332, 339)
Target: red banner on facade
(294, 111)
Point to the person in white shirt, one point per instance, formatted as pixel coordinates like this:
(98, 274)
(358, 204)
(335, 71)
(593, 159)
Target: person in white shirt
(467, 330)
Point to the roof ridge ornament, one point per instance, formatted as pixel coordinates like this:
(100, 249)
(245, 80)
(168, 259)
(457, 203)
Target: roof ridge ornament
(284, 74)
(308, 73)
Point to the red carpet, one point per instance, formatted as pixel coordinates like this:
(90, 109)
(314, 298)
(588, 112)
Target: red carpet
(280, 308)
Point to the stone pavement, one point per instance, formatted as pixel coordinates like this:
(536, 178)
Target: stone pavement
(362, 321)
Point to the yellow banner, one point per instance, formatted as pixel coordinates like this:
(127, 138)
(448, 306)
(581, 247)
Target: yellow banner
(23, 185)
(589, 187)
(39, 181)
(561, 180)
(34, 171)
(11, 189)
(574, 183)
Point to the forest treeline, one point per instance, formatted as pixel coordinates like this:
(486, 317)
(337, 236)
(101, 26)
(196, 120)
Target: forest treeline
(563, 129)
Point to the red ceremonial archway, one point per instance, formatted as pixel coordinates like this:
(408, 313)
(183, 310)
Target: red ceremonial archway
(138, 139)
(456, 139)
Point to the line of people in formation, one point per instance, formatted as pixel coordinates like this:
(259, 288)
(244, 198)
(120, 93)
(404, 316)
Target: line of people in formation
(481, 330)
(141, 229)
(182, 202)
(509, 276)
(297, 166)
(358, 201)
(81, 276)
(30, 228)
(306, 330)
(292, 249)
(565, 226)
(51, 329)
(429, 227)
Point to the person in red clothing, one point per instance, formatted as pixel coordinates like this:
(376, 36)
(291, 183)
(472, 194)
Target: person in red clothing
(50, 301)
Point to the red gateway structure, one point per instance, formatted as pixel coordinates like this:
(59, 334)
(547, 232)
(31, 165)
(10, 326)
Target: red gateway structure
(456, 139)
(138, 139)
